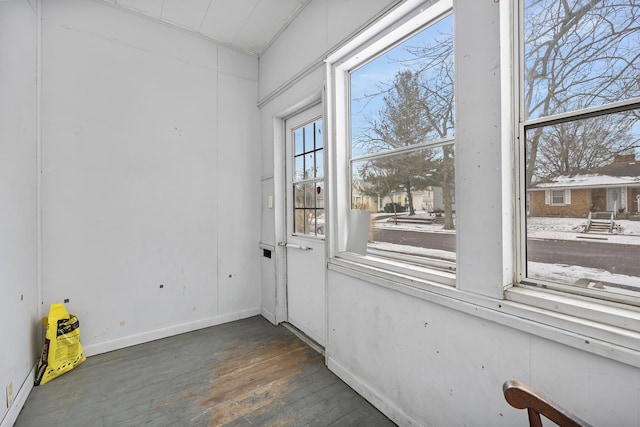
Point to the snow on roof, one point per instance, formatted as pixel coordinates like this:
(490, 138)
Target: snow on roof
(588, 180)
(624, 171)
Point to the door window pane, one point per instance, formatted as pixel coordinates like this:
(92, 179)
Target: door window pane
(308, 185)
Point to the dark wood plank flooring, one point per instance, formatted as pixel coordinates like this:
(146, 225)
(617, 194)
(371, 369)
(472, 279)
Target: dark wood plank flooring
(241, 373)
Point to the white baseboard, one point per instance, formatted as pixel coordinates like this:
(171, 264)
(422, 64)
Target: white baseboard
(383, 404)
(271, 317)
(19, 400)
(104, 347)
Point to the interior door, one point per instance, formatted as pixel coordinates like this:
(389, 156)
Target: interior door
(305, 228)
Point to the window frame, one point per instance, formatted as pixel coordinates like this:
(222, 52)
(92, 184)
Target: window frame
(607, 328)
(557, 198)
(351, 57)
(589, 312)
(522, 125)
(563, 196)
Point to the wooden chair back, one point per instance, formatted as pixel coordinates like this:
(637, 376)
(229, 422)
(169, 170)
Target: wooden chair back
(521, 396)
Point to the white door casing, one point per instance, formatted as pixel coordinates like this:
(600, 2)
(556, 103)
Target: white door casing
(305, 214)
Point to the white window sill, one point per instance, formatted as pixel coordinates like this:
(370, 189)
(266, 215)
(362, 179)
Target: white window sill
(414, 272)
(608, 330)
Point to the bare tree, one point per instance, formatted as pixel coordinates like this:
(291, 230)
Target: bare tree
(579, 54)
(417, 108)
(401, 123)
(578, 146)
(435, 66)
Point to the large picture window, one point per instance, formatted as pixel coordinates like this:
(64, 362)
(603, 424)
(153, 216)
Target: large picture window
(519, 194)
(401, 148)
(580, 133)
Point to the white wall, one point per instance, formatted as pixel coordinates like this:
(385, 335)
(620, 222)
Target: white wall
(321, 26)
(151, 176)
(18, 199)
(420, 359)
(428, 364)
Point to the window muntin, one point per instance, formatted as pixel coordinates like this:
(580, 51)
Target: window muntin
(402, 148)
(308, 183)
(580, 133)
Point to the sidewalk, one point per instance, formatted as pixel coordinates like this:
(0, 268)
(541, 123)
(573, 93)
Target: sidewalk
(569, 229)
(623, 239)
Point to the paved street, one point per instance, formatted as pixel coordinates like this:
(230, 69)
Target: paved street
(442, 241)
(615, 258)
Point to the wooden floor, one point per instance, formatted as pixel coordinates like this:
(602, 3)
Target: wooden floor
(247, 372)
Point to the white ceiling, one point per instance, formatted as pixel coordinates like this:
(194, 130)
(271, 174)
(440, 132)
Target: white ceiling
(246, 25)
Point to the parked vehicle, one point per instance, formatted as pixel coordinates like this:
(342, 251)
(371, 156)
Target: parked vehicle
(398, 208)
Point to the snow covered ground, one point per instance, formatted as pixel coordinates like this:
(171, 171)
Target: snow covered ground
(541, 228)
(570, 229)
(593, 278)
(544, 228)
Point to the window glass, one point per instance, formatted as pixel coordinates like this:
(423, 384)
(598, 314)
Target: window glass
(579, 54)
(299, 167)
(402, 149)
(308, 185)
(582, 167)
(558, 197)
(298, 142)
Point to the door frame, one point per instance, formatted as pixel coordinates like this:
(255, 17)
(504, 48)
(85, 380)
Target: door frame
(280, 196)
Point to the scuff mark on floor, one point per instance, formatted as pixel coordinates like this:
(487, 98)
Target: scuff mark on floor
(253, 377)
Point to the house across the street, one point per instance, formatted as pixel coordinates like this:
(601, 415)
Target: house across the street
(612, 188)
